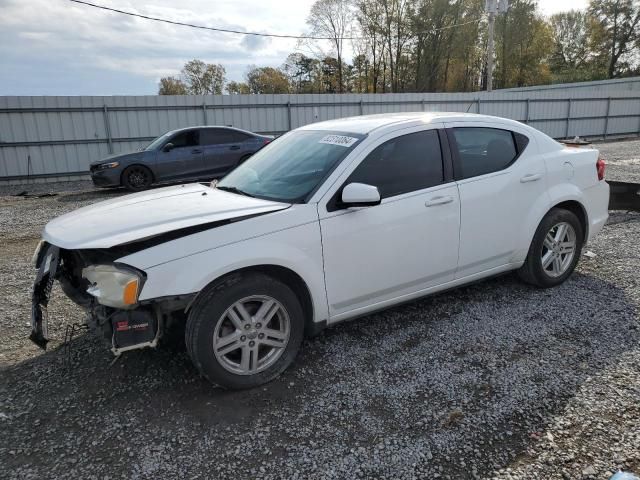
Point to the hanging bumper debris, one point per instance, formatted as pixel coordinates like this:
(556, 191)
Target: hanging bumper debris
(624, 196)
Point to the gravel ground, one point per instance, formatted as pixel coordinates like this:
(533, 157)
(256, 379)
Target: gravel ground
(494, 380)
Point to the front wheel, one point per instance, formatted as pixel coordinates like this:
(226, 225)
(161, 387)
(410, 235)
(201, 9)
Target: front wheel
(137, 177)
(554, 251)
(244, 330)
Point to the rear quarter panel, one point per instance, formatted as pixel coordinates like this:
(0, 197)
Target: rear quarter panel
(572, 176)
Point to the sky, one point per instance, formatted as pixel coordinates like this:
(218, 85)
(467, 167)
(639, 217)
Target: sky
(55, 47)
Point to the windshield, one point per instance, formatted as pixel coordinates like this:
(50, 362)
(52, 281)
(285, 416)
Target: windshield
(292, 166)
(157, 142)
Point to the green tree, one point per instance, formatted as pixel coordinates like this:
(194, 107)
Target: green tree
(523, 42)
(572, 60)
(237, 88)
(204, 78)
(267, 80)
(615, 34)
(172, 86)
(300, 70)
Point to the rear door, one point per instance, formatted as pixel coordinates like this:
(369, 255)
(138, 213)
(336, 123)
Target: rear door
(222, 150)
(502, 185)
(183, 160)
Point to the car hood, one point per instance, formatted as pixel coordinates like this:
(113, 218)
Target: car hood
(148, 214)
(119, 156)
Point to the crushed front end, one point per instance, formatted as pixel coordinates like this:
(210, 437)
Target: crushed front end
(107, 290)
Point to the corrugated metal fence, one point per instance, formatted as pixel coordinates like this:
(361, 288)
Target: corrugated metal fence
(53, 136)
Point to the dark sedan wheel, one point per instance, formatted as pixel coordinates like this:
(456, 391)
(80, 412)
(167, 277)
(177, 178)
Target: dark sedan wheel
(137, 177)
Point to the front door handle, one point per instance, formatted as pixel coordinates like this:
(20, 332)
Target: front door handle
(532, 177)
(435, 201)
(196, 150)
(234, 147)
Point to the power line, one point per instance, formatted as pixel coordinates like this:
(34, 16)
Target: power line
(203, 27)
(240, 32)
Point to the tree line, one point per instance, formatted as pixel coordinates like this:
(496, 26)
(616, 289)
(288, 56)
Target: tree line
(436, 46)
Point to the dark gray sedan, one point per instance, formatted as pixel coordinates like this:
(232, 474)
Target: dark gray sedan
(194, 153)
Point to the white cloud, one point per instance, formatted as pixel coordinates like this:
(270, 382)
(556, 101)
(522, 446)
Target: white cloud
(81, 37)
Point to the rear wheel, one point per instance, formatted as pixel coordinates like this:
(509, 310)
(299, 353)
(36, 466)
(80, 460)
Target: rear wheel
(555, 250)
(137, 177)
(244, 330)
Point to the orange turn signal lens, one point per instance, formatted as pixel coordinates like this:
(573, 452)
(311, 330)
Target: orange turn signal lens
(130, 293)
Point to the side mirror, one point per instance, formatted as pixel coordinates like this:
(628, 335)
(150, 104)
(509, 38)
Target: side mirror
(360, 195)
(168, 147)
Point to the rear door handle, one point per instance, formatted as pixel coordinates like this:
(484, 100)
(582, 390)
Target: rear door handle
(532, 177)
(196, 150)
(234, 147)
(435, 201)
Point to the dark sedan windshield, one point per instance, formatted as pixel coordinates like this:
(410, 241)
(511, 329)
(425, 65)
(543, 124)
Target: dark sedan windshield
(292, 166)
(157, 142)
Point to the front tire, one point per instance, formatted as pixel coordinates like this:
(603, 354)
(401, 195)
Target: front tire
(244, 330)
(554, 251)
(136, 178)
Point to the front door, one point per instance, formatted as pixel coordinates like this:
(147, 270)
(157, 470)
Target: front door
(181, 161)
(408, 243)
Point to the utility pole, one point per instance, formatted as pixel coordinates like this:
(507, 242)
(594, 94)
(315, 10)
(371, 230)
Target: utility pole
(491, 48)
(493, 7)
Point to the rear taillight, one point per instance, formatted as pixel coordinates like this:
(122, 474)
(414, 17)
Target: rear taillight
(601, 167)
(266, 141)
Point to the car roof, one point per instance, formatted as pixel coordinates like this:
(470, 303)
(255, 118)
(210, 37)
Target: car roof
(368, 123)
(199, 127)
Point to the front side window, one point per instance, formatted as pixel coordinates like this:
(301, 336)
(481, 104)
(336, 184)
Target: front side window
(405, 164)
(185, 139)
(291, 167)
(484, 150)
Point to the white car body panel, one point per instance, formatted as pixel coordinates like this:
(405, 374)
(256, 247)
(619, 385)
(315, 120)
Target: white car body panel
(356, 260)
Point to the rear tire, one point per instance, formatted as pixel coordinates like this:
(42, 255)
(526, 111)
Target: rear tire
(136, 178)
(554, 251)
(244, 330)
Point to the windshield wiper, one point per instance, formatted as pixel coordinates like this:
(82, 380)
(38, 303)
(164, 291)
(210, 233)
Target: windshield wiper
(234, 190)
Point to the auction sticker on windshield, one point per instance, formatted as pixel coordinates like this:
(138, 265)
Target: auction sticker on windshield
(341, 140)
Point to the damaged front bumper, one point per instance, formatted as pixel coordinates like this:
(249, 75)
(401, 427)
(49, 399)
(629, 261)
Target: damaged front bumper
(47, 259)
(123, 329)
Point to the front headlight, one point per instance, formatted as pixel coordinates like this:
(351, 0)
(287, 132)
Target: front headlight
(105, 166)
(112, 286)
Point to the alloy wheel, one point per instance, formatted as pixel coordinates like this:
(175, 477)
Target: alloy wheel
(558, 249)
(138, 178)
(251, 335)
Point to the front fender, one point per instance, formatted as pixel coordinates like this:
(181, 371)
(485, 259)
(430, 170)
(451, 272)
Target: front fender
(297, 249)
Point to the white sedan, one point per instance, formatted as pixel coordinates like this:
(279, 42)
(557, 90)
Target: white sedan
(329, 222)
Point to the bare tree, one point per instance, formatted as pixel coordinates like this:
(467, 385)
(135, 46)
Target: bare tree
(332, 19)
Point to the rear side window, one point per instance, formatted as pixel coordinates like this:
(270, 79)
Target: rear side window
(405, 164)
(486, 150)
(219, 136)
